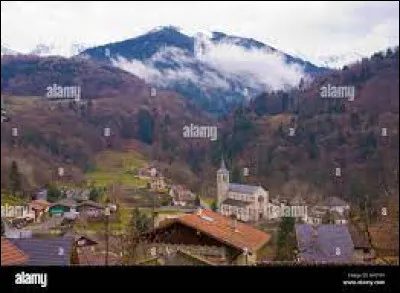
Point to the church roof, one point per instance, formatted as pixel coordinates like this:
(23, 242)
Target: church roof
(242, 188)
(236, 203)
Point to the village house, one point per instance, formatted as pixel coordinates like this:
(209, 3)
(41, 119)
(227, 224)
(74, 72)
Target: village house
(295, 208)
(334, 204)
(51, 251)
(338, 218)
(90, 209)
(154, 176)
(209, 236)
(11, 254)
(158, 184)
(182, 196)
(89, 251)
(246, 202)
(148, 172)
(12, 232)
(41, 194)
(363, 251)
(332, 209)
(315, 216)
(76, 193)
(324, 244)
(62, 206)
(84, 241)
(384, 236)
(40, 208)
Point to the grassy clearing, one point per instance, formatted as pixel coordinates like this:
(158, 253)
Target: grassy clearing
(121, 167)
(12, 200)
(116, 226)
(120, 162)
(17, 104)
(104, 179)
(208, 200)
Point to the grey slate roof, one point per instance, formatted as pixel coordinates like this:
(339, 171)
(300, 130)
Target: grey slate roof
(66, 202)
(55, 251)
(333, 243)
(242, 188)
(235, 202)
(338, 216)
(333, 201)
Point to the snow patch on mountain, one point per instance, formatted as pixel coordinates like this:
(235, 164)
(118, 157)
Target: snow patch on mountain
(58, 49)
(7, 51)
(339, 60)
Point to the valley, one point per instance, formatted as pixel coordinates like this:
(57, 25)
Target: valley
(295, 144)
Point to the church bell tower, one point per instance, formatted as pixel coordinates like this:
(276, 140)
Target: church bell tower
(222, 183)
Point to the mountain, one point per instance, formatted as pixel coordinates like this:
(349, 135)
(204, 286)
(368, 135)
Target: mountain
(360, 136)
(6, 51)
(215, 70)
(340, 60)
(329, 133)
(70, 134)
(57, 50)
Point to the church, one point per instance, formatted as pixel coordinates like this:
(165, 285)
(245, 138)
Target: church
(248, 203)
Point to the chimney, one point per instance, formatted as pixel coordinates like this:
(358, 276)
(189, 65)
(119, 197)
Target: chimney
(314, 232)
(234, 223)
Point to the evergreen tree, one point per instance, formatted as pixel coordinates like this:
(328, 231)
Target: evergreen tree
(53, 193)
(139, 224)
(237, 175)
(2, 228)
(214, 206)
(15, 179)
(286, 240)
(146, 127)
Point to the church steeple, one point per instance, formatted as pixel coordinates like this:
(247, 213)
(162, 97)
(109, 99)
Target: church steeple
(222, 167)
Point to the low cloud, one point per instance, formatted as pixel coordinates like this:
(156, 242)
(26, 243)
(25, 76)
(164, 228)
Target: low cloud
(222, 66)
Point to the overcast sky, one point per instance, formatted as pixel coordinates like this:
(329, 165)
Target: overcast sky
(309, 29)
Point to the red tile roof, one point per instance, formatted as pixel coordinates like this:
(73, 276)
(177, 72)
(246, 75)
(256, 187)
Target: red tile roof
(221, 228)
(11, 255)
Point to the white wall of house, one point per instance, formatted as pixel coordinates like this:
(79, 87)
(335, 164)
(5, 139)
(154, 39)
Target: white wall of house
(341, 222)
(340, 209)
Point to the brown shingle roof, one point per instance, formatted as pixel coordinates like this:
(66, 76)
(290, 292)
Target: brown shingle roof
(220, 227)
(91, 203)
(360, 239)
(88, 257)
(39, 204)
(11, 255)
